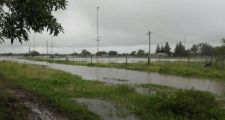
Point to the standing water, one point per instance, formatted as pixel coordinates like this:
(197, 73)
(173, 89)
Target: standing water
(131, 77)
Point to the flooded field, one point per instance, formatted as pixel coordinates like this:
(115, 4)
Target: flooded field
(113, 100)
(124, 59)
(131, 77)
(106, 110)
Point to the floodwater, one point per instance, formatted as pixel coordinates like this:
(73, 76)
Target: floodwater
(124, 59)
(131, 77)
(106, 110)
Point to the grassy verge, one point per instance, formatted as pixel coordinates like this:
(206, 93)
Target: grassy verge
(59, 88)
(194, 69)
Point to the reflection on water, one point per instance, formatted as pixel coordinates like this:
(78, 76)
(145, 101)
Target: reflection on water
(120, 76)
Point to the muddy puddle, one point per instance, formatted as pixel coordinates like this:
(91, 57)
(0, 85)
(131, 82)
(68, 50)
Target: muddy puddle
(37, 111)
(145, 91)
(106, 110)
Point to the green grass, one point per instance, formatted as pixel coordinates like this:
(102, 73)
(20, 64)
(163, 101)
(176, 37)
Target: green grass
(194, 69)
(58, 89)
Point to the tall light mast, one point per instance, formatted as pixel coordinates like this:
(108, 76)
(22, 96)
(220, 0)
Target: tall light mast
(98, 37)
(52, 44)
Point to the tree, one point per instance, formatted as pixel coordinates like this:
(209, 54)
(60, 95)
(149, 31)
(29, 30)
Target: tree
(19, 17)
(223, 42)
(74, 54)
(34, 53)
(85, 53)
(162, 50)
(205, 49)
(101, 53)
(167, 49)
(157, 49)
(180, 50)
(140, 53)
(133, 53)
(194, 49)
(219, 53)
(112, 53)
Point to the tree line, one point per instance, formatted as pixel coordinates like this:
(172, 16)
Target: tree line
(200, 49)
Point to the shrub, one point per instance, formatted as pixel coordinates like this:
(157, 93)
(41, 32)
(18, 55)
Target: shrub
(192, 105)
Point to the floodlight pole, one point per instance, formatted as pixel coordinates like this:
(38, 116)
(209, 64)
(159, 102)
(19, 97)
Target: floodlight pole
(98, 29)
(47, 47)
(52, 44)
(97, 39)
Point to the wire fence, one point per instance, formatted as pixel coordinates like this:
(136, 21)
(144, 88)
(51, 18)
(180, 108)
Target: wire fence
(129, 59)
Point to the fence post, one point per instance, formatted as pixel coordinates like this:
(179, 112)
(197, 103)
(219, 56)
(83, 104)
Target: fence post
(126, 60)
(91, 59)
(109, 59)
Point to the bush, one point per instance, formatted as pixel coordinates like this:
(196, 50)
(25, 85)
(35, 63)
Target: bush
(191, 105)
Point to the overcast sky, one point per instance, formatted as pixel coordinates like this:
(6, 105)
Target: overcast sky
(124, 25)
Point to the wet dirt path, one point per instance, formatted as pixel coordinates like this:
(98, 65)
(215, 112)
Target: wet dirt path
(34, 107)
(38, 111)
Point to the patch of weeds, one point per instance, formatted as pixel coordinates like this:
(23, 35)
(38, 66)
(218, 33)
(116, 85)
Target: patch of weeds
(190, 105)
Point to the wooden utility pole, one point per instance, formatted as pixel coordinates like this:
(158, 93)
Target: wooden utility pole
(149, 52)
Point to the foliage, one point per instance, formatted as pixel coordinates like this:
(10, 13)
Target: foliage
(219, 53)
(101, 53)
(164, 49)
(167, 49)
(180, 50)
(194, 49)
(140, 53)
(192, 105)
(74, 54)
(19, 17)
(157, 49)
(59, 89)
(34, 53)
(112, 53)
(133, 53)
(85, 53)
(205, 49)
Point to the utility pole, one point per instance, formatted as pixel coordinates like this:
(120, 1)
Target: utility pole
(149, 52)
(47, 47)
(73, 54)
(52, 44)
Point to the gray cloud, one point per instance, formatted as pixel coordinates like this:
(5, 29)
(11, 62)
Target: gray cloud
(124, 23)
